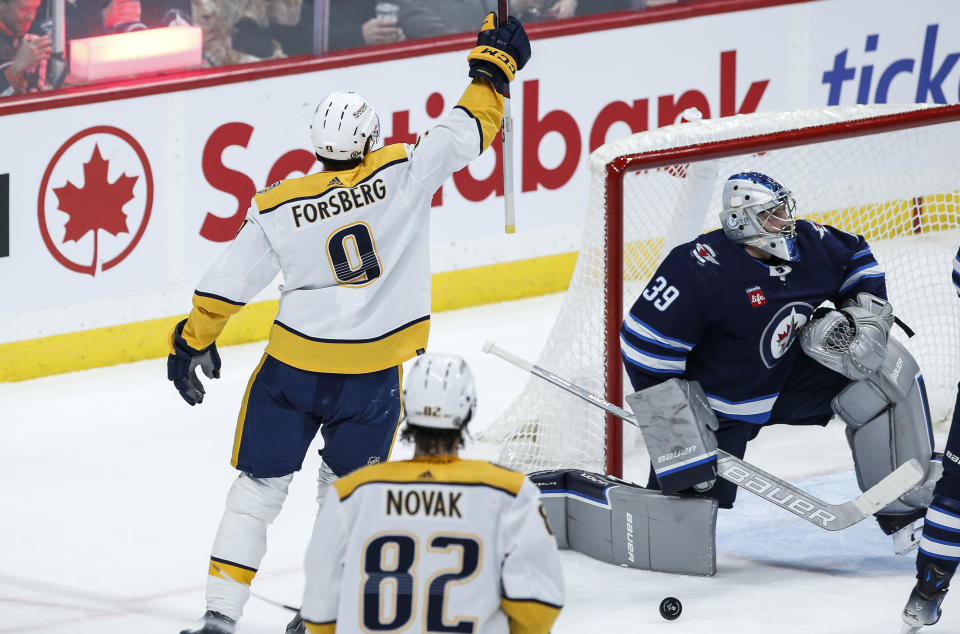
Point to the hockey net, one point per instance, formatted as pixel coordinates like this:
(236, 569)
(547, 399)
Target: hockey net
(889, 173)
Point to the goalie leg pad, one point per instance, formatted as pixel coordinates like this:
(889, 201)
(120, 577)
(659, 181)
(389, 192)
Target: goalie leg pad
(888, 422)
(626, 525)
(678, 428)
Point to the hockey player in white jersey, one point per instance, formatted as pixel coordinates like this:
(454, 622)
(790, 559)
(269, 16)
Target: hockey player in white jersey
(352, 244)
(436, 543)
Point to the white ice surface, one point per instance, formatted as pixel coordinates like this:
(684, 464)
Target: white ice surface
(112, 489)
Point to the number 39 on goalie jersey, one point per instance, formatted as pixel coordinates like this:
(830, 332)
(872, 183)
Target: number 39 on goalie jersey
(713, 314)
(432, 545)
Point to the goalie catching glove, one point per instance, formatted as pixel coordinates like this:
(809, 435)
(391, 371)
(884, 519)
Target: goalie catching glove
(852, 340)
(500, 52)
(182, 364)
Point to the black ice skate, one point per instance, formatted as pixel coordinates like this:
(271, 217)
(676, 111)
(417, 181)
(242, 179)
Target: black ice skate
(890, 524)
(214, 623)
(923, 606)
(296, 625)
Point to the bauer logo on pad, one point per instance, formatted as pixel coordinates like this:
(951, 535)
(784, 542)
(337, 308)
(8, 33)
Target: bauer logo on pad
(757, 298)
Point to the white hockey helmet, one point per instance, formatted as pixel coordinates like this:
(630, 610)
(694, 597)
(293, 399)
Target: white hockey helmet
(342, 125)
(439, 392)
(758, 211)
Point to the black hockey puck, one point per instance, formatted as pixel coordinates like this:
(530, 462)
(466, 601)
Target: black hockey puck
(670, 608)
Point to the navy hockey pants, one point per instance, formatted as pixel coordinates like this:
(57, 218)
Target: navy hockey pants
(805, 400)
(284, 407)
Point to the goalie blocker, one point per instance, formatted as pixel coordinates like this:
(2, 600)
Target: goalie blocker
(678, 428)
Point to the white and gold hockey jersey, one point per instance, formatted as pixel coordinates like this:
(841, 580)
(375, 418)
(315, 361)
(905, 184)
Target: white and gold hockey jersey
(354, 250)
(432, 545)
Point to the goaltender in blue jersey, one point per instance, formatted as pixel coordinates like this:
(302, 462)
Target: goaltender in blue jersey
(352, 245)
(725, 310)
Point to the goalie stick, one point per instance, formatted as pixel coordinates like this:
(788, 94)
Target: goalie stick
(831, 517)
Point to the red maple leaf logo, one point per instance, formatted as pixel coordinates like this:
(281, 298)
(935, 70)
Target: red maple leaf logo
(99, 205)
(783, 335)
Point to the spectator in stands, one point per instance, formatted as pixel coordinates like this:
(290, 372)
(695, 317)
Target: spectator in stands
(346, 16)
(538, 10)
(90, 18)
(22, 54)
(236, 31)
(604, 6)
(426, 18)
(352, 23)
(159, 13)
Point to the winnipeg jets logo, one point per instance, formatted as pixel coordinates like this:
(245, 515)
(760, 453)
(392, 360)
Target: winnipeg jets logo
(704, 253)
(782, 331)
(819, 228)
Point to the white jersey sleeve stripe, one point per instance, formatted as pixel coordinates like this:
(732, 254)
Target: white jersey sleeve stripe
(753, 411)
(942, 519)
(652, 362)
(868, 270)
(644, 331)
(936, 548)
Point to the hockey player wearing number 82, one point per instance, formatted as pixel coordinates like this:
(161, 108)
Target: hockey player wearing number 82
(436, 543)
(725, 309)
(355, 304)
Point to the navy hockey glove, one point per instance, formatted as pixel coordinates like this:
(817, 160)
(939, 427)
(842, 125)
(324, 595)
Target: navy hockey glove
(183, 362)
(501, 51)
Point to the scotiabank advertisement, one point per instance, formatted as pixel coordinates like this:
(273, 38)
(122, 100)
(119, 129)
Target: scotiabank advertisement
(111, 211)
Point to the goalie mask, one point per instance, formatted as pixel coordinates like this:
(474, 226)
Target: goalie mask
(758, 211)
(344, 127)
(439, 392)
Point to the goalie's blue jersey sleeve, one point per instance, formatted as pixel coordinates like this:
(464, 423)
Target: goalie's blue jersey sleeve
(714, 314)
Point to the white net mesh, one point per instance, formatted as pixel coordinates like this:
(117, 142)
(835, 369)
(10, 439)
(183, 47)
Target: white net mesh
(897, 189)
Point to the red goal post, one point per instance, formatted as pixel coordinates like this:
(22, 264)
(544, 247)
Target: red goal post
(890, 173)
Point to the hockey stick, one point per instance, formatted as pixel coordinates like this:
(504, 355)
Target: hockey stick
(506, 127)
(831, 517)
